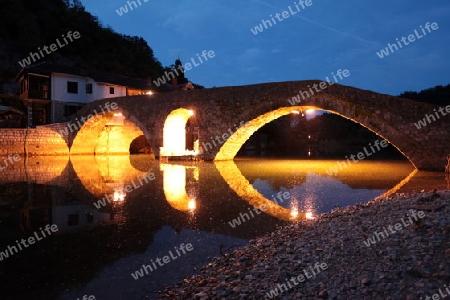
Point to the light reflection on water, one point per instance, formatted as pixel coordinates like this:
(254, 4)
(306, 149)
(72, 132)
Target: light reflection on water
(186, 202)
(304, 188)
(289, 189)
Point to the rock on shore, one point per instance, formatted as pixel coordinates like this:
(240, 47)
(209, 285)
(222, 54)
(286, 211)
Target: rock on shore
(405, 262)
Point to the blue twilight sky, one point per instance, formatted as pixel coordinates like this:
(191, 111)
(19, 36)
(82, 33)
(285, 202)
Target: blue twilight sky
(310, 44)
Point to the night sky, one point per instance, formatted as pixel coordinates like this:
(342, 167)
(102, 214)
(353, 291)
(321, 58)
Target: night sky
(305, 42)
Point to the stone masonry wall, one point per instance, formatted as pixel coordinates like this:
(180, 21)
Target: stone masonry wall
(42, 140)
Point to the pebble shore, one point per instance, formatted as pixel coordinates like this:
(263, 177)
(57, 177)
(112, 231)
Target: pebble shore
(409, 262)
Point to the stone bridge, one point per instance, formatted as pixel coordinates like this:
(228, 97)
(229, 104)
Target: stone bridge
(224, 118)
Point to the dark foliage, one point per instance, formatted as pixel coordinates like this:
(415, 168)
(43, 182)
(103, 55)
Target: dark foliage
(29, 24)
(439, 95)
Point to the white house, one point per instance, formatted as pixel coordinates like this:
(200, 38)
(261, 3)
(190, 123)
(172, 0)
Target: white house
(53, 93)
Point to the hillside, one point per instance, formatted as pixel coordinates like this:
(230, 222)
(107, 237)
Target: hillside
(439, 95)
(27, 25)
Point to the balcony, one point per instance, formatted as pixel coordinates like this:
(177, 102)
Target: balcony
(36, 94)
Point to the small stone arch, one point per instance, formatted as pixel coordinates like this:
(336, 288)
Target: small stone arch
(108, 133)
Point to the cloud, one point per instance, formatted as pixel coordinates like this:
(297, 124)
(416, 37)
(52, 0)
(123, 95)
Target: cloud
(249, 56)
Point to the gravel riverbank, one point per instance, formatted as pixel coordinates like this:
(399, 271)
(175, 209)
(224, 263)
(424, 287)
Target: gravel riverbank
(389, 248)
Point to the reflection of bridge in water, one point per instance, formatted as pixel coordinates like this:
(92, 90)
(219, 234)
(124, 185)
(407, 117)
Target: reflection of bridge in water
(90, 178)
(203, 197)
(198, 196)
(62, 191)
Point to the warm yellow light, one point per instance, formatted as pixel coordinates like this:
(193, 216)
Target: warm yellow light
(174, 133)
(192, 205)
(117, 120)
(294, 208)
(174, 186)
(196, 173)
(197, 147)
(310, 111)
(309, 216)
(119, 196)
(295, 112)
(294, 212)
(149, 93)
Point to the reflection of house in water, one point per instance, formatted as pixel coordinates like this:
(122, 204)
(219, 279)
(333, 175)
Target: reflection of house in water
(44, 209)
(76, 216)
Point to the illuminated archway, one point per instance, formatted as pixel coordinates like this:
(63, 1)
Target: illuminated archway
(174, 133)
(105, 134)
(230, 148)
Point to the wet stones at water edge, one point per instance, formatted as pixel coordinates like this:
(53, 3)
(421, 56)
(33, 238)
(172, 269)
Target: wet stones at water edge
(416, 219)
(309, 272)
(440, 295)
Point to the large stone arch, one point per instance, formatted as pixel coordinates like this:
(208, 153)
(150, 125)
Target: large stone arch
(230, 148)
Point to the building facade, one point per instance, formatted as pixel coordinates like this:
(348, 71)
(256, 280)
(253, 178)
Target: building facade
(53, 93)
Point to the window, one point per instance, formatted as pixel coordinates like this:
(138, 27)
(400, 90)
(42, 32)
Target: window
(111, 90)
(69, 110)
(73, 220)
(88, 88)
(72, 87)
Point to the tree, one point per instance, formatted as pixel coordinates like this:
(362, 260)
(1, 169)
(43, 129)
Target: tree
(439, 95)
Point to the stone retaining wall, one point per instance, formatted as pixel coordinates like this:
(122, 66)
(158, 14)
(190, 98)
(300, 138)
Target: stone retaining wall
(42, 140)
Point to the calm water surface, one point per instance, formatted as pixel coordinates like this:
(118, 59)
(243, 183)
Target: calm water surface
(95, 250)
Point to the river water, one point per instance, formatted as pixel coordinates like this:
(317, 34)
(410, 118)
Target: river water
(154, 208)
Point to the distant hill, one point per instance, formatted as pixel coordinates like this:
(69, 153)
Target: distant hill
(29, 24)
(439, 95)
